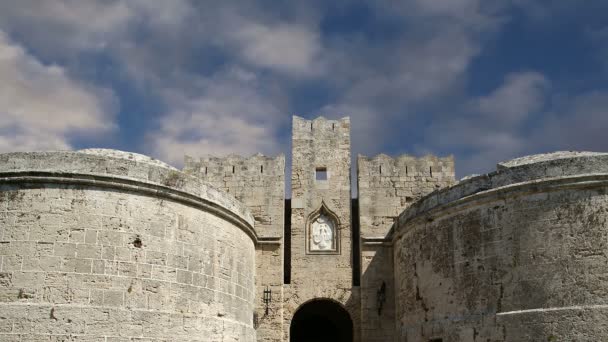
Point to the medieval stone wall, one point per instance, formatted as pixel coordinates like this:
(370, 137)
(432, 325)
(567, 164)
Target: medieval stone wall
(259, 183)
(516, 255)
(103, 245)
(111, 246)
(321, 146)
(386, 187)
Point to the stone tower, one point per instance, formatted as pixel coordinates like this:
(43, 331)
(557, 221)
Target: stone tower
(321, 231)
(257, 181)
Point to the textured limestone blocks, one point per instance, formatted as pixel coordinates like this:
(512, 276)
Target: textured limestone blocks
(259, 183)
(103, 247)
(320, 178)
(515, 255)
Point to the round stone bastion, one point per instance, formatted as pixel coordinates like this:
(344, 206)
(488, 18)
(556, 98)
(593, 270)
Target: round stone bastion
(520, 254)
(104, 245)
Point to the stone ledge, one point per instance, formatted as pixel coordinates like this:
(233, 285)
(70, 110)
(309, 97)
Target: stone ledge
(132, 185)
(534, 168)
(121, 165)
(437, 209)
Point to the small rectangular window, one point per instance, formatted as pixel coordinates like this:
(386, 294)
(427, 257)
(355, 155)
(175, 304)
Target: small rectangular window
(321, 173)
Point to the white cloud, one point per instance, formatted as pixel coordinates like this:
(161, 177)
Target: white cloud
(520, 95)
(179, 53)
(230, 115)
(385, 83)
(576, 123)
(293, 49)
(60, 26)
(40, 106)
(490, 126)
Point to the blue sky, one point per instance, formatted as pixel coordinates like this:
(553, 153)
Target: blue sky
(485, 80)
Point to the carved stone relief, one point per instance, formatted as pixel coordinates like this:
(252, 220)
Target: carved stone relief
(322, 234)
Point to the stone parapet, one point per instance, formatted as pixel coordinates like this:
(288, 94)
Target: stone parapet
(118, 167)
(257, 181)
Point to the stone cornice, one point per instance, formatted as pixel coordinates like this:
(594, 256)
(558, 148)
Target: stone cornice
(410, 217)
(29, 178)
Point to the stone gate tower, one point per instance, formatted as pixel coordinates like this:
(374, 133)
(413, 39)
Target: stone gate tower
(321, 230)
(100, 245)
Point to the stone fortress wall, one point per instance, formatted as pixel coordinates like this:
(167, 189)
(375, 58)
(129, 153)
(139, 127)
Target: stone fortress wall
(386, 186)
(318, 145)
(515, 255)
(111, 246)
(259, 183)
(103, 245)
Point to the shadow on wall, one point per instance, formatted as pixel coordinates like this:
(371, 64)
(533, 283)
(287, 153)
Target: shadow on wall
(377, 293)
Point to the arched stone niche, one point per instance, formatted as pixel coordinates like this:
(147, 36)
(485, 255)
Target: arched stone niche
(322, 232)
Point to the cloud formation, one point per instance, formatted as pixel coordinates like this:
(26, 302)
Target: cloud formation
(491, 125)
(231, 113)
(41, 106)
(223, 77)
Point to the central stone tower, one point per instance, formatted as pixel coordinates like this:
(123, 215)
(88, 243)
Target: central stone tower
(321, 232)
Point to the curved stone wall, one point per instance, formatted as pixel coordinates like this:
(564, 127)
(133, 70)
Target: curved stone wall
(520, 254)
(111, 246)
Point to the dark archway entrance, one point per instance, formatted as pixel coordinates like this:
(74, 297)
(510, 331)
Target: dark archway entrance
(321, 321)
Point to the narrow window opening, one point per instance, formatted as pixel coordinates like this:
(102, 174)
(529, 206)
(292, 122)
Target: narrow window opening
(333, 126)
(380, 168)
(406, 171)
(205, 170)
(311, 126)
(232, 168)
(261, 168)
(321, 173)
(431, 171)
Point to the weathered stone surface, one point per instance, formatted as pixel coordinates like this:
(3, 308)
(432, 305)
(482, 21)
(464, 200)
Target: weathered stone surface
(104, 245)
(100, 247)
(386, 186)
(259, 183)
(516, 255)
(553, 156)
(320, 145)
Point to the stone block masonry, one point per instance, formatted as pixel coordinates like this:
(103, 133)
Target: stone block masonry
(320, 180)
(96, 247)
(389, 185)
(104, 245)
(515, 255)
(386, 186)
(258, 182)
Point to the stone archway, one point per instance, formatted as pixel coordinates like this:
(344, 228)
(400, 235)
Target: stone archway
(321, 320)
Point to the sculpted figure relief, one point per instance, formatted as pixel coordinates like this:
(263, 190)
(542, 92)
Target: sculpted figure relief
(322, 234)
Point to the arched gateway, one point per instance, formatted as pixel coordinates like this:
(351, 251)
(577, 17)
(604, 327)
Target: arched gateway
(321, 321)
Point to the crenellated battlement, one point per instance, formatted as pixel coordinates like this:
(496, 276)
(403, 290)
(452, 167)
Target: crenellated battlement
(257, 181)
(406, 166)
(235, 166)
(388, 184)
(320, 127)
